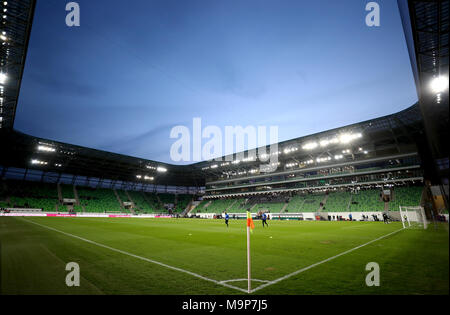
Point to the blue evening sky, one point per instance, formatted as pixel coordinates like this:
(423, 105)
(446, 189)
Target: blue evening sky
(135, 69)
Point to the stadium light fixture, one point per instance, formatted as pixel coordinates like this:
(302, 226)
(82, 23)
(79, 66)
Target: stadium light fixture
(439, 84)
(161, 169)
(46, 148)
(324, 143)
(38, 162)
(310, 146)
(3, 78)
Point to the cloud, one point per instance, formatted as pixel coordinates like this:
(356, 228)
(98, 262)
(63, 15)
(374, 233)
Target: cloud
(66, 85)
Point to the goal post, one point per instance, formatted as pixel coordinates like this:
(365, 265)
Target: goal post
(413, 216)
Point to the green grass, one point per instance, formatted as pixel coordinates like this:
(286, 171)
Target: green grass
(33, 258)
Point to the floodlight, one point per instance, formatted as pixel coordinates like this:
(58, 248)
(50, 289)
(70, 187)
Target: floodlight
(310, 146)
(439, 84)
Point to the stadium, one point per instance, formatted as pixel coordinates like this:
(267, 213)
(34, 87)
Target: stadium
(139, 226)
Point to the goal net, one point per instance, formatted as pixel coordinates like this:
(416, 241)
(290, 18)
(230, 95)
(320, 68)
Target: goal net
(413, 217)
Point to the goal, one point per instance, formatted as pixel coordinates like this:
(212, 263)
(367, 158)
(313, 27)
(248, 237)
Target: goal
(413, 217)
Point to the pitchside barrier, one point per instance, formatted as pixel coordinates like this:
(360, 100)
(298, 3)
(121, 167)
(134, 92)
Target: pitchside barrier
(410, 216)
(312, 216)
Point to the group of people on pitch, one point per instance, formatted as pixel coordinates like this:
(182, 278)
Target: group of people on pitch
(263, 219)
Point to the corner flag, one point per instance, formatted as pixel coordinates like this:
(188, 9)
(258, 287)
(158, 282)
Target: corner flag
(251, 226)
(250, 221)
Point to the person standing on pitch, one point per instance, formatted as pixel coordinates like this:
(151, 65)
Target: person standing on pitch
(227, 217)
(385, 218)
(264, 219)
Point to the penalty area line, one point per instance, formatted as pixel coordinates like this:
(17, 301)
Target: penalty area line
(321, 262)
(140, 257)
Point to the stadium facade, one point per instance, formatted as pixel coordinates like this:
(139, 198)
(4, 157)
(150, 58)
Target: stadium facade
(406, 149)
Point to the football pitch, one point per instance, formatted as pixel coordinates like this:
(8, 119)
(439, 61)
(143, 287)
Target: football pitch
(195, 256)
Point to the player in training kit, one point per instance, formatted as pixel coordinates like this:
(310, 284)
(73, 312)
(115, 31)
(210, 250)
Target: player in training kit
(227, 217)
(264, 219)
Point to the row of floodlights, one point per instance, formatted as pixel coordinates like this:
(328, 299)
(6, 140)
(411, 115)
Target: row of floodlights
(46, 148)
(39, 162)
(343, 139)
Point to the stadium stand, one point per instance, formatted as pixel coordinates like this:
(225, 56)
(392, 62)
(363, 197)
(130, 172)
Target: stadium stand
(312, 202)
(270, 206)
(122, 195)
(295, 204)
(272, 203)
(239, 206)
(140, 203)
(409, 196)
(98, 200)
(337, 201)
(67, 191)
(367, 200)
(182, 202)
(219, 205)
(23, 194)
(166, 198)
(153, 201)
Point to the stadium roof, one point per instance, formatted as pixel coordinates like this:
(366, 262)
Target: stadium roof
(399, 129)
(426, 26)
(15, 28)
(28, 152)
(426, 29)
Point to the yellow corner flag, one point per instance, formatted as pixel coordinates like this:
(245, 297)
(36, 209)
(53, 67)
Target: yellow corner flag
(250, 221)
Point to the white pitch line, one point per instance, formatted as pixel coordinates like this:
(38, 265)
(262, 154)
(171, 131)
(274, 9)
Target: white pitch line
(142, 258)
(320, 262)
(244, 279)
